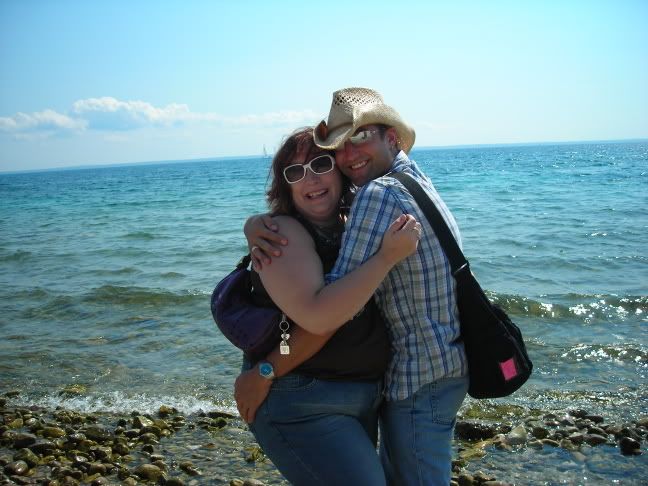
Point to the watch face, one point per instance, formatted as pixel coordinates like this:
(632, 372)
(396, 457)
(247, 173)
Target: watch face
(265, 369)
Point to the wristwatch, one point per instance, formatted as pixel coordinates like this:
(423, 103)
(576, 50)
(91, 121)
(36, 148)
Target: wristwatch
(266, 370)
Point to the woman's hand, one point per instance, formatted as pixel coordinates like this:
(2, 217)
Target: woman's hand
(250, 391)
(401, 239)
(263, 239)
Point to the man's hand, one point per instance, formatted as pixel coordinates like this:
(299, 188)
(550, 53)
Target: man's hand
(263, 239)
(250, 391)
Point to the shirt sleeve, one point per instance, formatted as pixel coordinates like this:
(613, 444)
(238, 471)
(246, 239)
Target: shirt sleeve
(373, 210)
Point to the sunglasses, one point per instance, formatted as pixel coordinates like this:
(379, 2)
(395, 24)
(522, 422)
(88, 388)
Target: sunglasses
(319, 165)
(363, 136)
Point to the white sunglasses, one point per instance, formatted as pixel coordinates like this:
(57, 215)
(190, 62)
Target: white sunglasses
(319, 165)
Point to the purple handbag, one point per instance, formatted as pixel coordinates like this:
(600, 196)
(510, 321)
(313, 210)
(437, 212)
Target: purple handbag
(251, 327)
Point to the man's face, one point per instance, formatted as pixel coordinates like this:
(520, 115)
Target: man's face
(366, 155)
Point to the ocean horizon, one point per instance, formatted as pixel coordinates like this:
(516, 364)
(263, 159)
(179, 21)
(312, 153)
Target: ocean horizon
(256, 156)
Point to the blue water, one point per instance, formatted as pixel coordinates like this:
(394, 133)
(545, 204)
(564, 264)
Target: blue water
(105, 274)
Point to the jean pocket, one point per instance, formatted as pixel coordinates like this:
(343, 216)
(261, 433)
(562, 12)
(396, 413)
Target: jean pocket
(293, 382)
(446, 397)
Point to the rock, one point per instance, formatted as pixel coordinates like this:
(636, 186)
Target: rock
(474, 430)
(129, 482)
(568, 445)
(597, 431)
(165, 411)
(28, 456)
(16, 468)
(189, 468)
(100, 481)
(597, 419)
(149, 438)
(97, 433)
(101, 453)
(252, 482)
(15, 423)
(577, 438)
(643, 422)
(44, 448)
(539, 432)
(140, 421)
(578, 413)
(177, 482)
(236, 482)
(465, 479)
(629, 446)
(148, 472)
(579, 456)
(53, 432)
(12, 394)
(517, 436)
(595, 439)
(535, 444)
(551, 442)
(96, 468)
(21, 440)
(217, 414)
(161, 464)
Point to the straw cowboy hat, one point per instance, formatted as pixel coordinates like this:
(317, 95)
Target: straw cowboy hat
(352, 108)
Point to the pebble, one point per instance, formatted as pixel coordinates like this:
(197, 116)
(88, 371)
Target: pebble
(629, 446)
(148, 472)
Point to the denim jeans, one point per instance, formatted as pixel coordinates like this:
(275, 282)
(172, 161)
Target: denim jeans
(320, 432)
(416, 434)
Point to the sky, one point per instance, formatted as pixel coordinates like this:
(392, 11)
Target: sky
(110, 82)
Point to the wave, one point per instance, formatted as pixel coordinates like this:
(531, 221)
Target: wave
(140, 235)
(112, 294)
(626, 353)
(16, 256)
(120, 402)
(585, 307)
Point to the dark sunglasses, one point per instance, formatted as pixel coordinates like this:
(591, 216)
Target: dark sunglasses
(319, 165)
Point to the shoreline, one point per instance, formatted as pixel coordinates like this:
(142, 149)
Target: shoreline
(62, 447)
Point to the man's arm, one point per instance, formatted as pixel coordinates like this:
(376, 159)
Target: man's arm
(373, 209)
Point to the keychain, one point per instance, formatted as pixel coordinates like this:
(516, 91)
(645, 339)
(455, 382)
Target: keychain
(284, 348)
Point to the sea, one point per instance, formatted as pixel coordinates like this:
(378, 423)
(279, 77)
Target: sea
(106, 276)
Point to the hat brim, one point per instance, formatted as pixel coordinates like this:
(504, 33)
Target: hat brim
(332, 139)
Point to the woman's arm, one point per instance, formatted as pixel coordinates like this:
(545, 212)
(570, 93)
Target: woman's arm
(251, 389)
(295, 281)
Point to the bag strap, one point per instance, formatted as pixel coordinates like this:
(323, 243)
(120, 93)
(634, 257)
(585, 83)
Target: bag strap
(450, 247)
(244, 262)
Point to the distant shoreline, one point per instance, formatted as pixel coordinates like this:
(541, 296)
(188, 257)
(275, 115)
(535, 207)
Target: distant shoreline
(239, 157)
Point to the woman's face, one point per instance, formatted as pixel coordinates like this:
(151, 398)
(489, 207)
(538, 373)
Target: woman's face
(316, 196)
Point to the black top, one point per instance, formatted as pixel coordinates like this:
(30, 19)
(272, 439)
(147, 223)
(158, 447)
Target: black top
(360, 349)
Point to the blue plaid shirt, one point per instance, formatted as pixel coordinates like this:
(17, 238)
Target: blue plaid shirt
(418, 297)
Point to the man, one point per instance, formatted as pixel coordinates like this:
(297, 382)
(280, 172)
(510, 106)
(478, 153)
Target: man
(427, 378)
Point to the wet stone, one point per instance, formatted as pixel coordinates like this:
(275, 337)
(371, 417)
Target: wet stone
(539, 432)
(148, 472)
(597, 419)
(140, 422)
(28, 456)
(174, 482)
(474, 431)
(517, 436)
(21, 440)
(16, 468)
(595, 439)
(97, 433)
(597, 431)
(629, 446)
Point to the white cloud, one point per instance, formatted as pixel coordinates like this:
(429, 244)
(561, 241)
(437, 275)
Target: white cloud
(42, 121)
(110, 114)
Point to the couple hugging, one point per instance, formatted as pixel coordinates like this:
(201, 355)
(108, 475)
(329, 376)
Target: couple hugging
(374, 341)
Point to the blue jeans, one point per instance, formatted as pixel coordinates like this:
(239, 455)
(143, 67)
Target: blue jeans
(320, 432)
(416, 434)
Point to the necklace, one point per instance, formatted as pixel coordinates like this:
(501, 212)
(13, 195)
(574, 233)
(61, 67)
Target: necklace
(331, 234)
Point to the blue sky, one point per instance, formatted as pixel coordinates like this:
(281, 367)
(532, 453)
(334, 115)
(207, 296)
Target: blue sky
(85, 82)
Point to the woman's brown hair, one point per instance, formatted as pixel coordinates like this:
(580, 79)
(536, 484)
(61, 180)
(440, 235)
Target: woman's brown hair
(279, 195)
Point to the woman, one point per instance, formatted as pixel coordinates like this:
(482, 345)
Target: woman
(319, 422)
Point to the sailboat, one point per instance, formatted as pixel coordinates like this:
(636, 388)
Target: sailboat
(265, 153)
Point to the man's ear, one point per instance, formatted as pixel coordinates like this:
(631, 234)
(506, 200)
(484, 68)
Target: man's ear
(391, 136)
